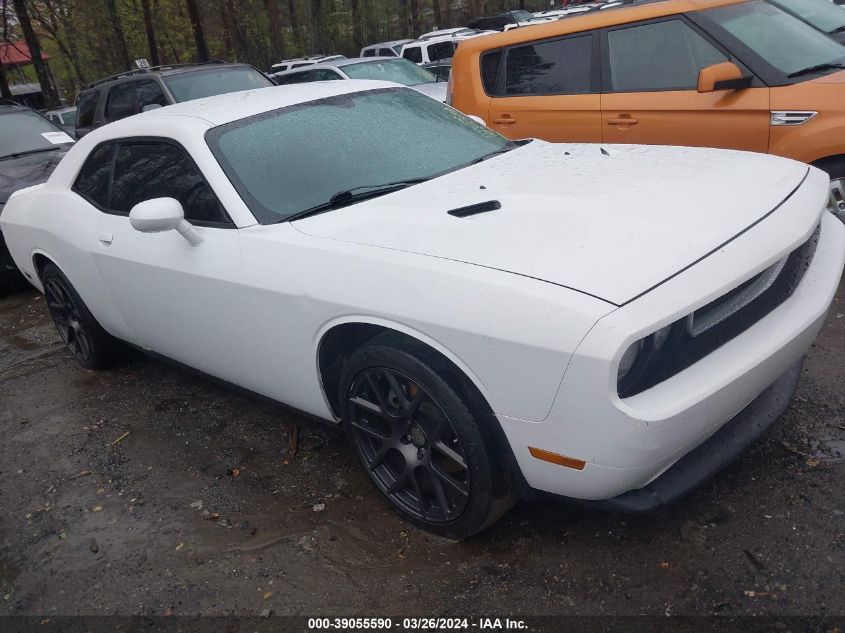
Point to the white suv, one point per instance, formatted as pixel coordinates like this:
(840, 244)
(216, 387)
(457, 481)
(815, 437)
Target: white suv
(300, 62)
(437, 45)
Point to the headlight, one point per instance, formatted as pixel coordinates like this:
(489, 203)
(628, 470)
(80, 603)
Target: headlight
(629, 359)
(639, 356)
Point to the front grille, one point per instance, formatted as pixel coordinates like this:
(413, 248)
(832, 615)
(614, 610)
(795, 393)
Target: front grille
(711, 326)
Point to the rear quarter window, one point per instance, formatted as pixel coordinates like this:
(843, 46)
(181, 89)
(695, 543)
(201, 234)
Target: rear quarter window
(92, 183)
(87, 108)
(490, 62)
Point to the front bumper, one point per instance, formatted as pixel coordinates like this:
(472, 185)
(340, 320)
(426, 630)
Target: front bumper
(699, 465)
(629, 443)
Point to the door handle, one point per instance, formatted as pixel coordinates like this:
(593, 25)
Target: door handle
(106, 238)
(505, 119)
(623, 119)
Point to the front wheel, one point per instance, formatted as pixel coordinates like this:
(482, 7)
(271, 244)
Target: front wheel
(419, 442)
(91, 346)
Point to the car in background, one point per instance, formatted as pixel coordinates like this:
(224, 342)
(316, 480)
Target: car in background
(437, 45)
(441, 69)
(820, 14)
(392, 48)
(506, 20)
(399, 71)
(63, 116)
(30, 148)
(300, 62)
(485, 319)
(735, 74)
(135, 91)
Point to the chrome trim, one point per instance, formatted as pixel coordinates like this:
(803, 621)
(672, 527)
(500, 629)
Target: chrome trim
(791, 117)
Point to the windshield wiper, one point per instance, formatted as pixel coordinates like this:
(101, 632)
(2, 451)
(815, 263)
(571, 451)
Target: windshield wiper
(815, 69)
(356, 194)
(838, 29)
(28, 152)
(502, 150)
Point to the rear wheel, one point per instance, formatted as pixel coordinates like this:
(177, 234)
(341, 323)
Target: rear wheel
(421, 445)
(90, 344)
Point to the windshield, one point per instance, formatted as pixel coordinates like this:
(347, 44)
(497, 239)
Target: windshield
(822, 14)
(293, 159)
(400, 71)
(24, 131)
(214, 81)
(521, 15)
(782, 40)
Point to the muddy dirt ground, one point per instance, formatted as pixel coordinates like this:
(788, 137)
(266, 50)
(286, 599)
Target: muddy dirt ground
(148, 490)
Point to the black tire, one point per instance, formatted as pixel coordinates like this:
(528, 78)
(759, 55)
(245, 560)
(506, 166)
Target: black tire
(835, 168)
(90, 344)
(430, 452)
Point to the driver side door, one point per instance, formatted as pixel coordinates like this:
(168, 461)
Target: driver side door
(178, 300)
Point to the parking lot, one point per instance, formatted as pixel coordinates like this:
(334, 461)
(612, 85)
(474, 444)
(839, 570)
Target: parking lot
(147, 490)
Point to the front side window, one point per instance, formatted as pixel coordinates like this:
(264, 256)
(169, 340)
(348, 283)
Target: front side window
(149, 93)
(386, 52)
(783, 41)
(86, 108)
(324, 74)
(95, 176)
(196, 84)
(552, 67)
(147, 170)
(369, 52)
(293, 159)
(659, 56)
(490, 62)
(121, 101)
(27, 132)
(399, 71)
(413, 53)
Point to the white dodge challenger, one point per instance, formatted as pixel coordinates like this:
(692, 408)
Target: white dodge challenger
(487, 319)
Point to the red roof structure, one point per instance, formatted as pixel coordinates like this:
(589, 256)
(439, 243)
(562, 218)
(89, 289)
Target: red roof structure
(16, 54)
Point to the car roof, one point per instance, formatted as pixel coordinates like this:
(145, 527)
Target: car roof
(173, 69)
(624, 13)
(225, 108)
(340, 63)
(387, 44)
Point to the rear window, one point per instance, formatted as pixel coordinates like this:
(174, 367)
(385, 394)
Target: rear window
(413, 54)
(197, 84)
(86, 108)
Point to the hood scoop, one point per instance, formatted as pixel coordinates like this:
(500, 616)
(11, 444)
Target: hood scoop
(475, 209)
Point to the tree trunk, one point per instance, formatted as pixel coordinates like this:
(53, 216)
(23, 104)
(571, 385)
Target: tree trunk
(317, 26)
(119, 38)
(51, 98)
(277, 41)
(199, 36)
(438, 16)
(151, 33)
(5, 92)
(357, 31)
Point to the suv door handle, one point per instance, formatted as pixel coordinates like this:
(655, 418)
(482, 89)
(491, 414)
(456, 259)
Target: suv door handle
(623, 119)
(106, 238)
(505, 119)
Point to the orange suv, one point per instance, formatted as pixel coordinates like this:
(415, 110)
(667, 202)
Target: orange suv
(739, 74)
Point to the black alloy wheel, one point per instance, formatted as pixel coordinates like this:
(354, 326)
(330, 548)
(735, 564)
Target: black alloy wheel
(408, 445)
(68, 320)
(91, 346)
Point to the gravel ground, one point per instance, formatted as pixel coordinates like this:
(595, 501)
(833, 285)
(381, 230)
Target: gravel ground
(148, 490)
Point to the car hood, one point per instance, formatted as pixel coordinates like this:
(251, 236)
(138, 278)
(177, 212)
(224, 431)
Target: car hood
(435, 90)
(610, 221)
(25, 171)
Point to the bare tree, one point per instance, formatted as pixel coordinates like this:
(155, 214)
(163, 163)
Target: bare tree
(117, 32)
(48, 90)
(199, 36)
(151, 33)
(277, 42)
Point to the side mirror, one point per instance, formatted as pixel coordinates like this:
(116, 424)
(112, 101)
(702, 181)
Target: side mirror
(477, 119)
(163, 214)
(151, 106)
(722, 76)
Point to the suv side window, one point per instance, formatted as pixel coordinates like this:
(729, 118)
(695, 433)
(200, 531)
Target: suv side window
(294, 78)
(386, 52)
(663, 55)
(551, 67)
(369, 52)
(148, 92)
(86, 108)
(121, 101)
(441, 50)
(324, 74)
(92, 183)
(153, 169)
(414, 54)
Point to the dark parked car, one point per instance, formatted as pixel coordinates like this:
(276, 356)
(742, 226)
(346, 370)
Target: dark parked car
(30, 148)
(129, 93)
(499, 21)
